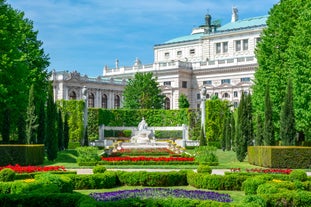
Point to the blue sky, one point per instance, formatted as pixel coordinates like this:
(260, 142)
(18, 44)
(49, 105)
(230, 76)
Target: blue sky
(86, 35)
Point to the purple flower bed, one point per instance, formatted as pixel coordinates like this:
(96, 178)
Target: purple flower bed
(161, 193)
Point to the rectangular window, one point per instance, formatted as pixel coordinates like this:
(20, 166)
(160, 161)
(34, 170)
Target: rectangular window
(198, 96)
(207, 82)
(258, 39)
(238, 45)
(218, 48)
(246, 79)
(192, 51)
(167, 83)
(235, 94)
(225, 81)
(225, 47)
(179, 53)
(245, 44)
(184, 84)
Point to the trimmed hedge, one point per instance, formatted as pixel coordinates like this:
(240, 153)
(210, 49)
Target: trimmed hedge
(22, 154)
(159, 179)
(280, 156)
(216, 182)
(47, 200)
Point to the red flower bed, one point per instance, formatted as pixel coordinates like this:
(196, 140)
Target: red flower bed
(29, 169)
(147, 151)
(143, 158)
(270, 171)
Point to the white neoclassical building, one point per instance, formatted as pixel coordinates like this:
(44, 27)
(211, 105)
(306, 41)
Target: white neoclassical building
(218, 57)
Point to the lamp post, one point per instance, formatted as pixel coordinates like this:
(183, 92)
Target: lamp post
(203, 99)
(85, 100)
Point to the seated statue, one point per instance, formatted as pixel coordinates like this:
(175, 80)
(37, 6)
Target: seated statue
(142, 135)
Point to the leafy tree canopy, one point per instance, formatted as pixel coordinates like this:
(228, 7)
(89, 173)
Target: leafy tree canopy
(143, 92)
(22, 63)
(284, 51)
(183, 101)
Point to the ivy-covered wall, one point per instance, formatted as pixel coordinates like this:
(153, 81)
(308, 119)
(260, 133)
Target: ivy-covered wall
(126, 117)
(74, 109)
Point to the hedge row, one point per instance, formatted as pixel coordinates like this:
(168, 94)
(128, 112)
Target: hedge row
(22, 154)
(153, 178)
(291, 157)
(47, 200)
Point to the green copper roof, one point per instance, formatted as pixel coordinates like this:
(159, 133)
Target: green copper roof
(238, 25)
(244, 23)
(185, 38)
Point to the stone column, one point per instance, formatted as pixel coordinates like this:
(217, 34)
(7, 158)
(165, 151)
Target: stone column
(203, 99)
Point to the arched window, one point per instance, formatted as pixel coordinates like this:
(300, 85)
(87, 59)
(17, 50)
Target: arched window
(91, 100)
(116, 101)
(226, 95)
(104, 101)
(72, 95)
(167, 103)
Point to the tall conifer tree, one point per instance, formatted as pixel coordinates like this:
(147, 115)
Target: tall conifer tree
(31, 120)
(287, 122)
(268, 125)
(51, 133)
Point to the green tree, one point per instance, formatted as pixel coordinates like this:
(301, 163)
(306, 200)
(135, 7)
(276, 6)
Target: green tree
(228, 131)
(241, 139)
(41, 123)
(143, 92)
(66, 132)
(284, 51)
(51, 140)
(22, 61)
(183, 101)
(299, 60)
(31, 120)
(268, 134)
(244, 135)
(287, 122)
(60, 130)
(259, 131)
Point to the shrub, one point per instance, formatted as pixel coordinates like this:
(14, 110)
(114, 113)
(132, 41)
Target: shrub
(251, 184)
(87, 155)
(6, 175)
(204, 169)
(204, 154)
(63, 182)
(95, 181)
(99, 169)
(299, 175)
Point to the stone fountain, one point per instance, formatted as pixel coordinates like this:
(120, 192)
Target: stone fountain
(143, 137)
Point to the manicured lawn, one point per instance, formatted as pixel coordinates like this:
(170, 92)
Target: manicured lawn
(227, 160)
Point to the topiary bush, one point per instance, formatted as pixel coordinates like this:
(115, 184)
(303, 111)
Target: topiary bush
(298, 175)
(99, 169)
(7, 175)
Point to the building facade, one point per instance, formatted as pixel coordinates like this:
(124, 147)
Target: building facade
(219, 58)
(102, 92)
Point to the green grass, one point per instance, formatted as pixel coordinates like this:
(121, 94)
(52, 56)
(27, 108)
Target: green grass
(227, 160)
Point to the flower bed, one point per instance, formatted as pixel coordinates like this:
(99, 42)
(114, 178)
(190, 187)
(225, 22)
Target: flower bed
(138, 152)
(143, 158)
(269, 171)
(161, 193)
(29, 169)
